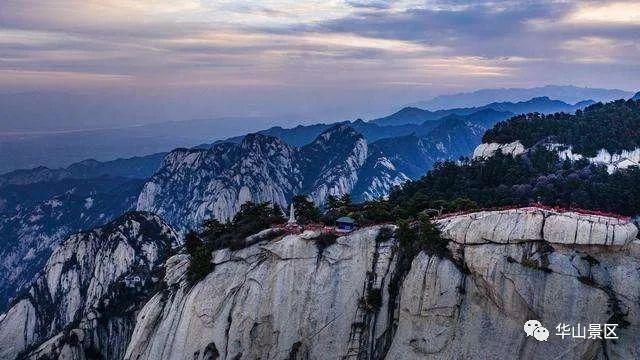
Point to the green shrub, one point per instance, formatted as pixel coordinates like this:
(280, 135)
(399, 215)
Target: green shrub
(384, 234)
(306, 210)
(323, 241)
(200, 264)
(373, 299)
(192, 241)
(251, 219)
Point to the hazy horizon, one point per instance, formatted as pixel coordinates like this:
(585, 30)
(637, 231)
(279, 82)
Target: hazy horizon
(51, 112)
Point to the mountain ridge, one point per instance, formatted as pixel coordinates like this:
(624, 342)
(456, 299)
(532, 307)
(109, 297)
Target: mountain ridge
(339, 161)
(566, 93)
(137, 167)
(83, 297)
(542, 104)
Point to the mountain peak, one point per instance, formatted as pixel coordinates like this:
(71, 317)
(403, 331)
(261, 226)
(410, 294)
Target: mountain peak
(337, 132)
(636, 96)
(258, 145)
(259, 138)
(540, 98)
(407, 109)
(406, 115)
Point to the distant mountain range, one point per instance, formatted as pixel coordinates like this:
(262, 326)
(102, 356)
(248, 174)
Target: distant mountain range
(21, 150)
(568, 94)
(408, 121)
(303, 135)
(139, 167)
(420, 122)
(412, 115)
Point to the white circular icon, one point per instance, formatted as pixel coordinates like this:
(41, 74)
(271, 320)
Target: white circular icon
(541, 334)
(530, 326)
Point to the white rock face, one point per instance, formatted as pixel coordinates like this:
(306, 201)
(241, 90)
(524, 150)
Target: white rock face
(17, 329)
(447, 314)
(613, 162)
(267, 301)
(341, 177)
(385, 177)
(84, 281)
(194, 184)
(283, 300)
(536, 224)
(486, 150)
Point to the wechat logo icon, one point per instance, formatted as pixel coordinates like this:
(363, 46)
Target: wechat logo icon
(534, 328)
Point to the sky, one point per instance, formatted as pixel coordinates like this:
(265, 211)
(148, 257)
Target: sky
(316, 60)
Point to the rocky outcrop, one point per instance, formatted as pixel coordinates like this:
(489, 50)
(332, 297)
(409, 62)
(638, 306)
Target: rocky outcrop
(486, 150)
(537, 224)
(613, 162)
(514, 266)
(289, 299)
(284, 299)
(196, 184)
(331, 164)
(381, 174)
(83, 304)
(479, 312)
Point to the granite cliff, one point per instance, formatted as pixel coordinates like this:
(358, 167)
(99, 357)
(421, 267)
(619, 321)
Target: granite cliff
(290, 298)
(83, 304)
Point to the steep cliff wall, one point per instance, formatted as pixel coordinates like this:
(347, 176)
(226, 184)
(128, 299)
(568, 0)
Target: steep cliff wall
(297, 297)
(517, 265)
(84, 302)
(286, 299)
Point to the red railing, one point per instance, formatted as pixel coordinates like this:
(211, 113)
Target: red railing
(297, 229)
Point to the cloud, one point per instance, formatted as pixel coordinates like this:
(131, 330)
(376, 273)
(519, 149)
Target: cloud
(342, 45)
(365, 4)
(15, 78)
(606, 13)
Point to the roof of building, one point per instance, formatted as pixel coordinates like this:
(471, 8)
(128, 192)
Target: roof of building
(346, 219)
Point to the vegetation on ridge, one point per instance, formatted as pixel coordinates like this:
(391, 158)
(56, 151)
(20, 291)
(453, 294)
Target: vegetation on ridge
(215, 235)
(535, 177)
(613, 126)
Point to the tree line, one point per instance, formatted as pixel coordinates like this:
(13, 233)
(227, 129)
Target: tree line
(613, 126)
